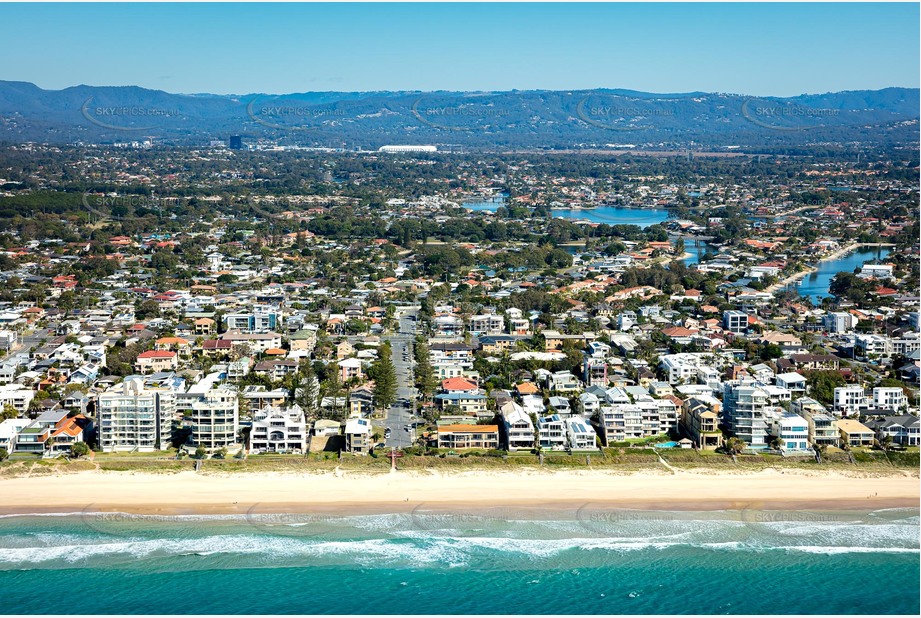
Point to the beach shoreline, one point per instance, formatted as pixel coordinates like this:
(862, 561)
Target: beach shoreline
(188, 493)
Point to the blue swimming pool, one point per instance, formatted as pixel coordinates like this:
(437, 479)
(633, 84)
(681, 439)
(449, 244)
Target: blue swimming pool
(665, 445)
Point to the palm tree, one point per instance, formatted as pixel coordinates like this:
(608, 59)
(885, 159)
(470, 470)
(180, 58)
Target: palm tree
(885, 443)
(734, 446)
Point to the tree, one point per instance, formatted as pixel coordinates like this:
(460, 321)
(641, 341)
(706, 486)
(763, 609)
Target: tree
(147, 309)
(8, 412)
(201, 452)
(734, 446)
(79, 449)
(885, 443)
(385, 378)
(332, 387)
(771, 351)
(4, 454)
(823, 384)
(306, 390)
(424, 375)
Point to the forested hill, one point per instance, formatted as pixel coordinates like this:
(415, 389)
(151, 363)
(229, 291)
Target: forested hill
(467, 120)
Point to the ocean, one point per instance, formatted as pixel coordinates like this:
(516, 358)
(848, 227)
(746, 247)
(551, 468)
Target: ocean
(594, 560)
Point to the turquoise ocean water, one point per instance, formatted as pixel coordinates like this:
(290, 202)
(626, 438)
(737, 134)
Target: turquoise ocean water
(594, 560)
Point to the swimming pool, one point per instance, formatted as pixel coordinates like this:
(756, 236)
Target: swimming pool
(665, 445)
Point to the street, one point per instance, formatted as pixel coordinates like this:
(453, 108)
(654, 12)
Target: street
(402, 412)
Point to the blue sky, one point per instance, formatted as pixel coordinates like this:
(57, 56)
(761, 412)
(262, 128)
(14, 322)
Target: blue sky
(759, 49)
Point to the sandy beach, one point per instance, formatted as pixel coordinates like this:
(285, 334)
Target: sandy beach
(188, 492)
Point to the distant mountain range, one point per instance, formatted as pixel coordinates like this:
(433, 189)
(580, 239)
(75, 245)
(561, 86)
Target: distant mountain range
(469, 120)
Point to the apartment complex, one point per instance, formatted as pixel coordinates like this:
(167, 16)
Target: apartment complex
(744, 407)
(136, 417)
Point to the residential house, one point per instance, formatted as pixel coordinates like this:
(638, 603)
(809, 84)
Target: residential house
(854, 433)
(257, 397)
(468, 436)
(793, 432)
(276, 370)
(358, 435)
(700, 422)
(904, 429)
(468, 403)
(580, 435)
(17, 396)
(551, 433)
(519, 429)
(154, 361)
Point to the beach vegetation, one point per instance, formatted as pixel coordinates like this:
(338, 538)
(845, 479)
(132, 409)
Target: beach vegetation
(734, 446)
(79, 449)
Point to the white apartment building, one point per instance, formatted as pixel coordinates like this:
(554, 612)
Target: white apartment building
(906, 344)
(17, 396)
(261, 319)
(134, 417)
(838, 322)
(279, 430)
(487, 324)
(890, 398)
(735, 321)
(621, 422)
(793, 431)
(872, 346)
(214, 414)
(694, 368)
(849, 400)
(744, 408)
(879, 271)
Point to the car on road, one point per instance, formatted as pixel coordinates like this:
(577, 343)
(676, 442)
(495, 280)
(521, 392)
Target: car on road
(387, 432)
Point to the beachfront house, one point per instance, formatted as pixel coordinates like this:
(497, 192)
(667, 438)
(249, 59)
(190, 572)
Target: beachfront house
(519, 429)
(468, 436)
(700, 422)
(358, 435)
(854, 433)
(551, 432)
(580, 435)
